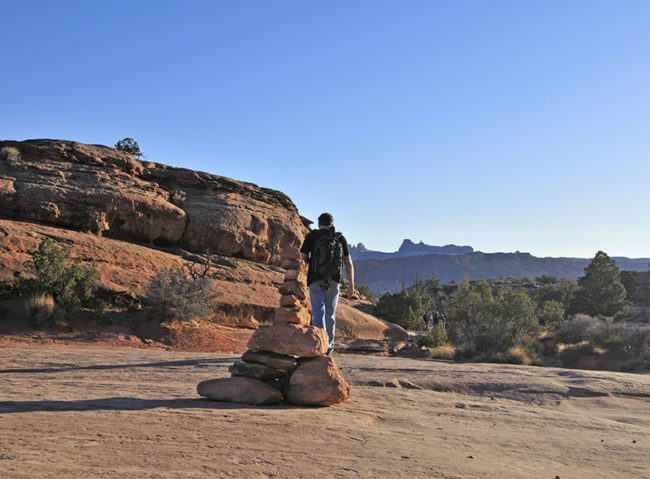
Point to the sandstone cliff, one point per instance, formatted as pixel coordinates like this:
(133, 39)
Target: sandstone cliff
(134, 218)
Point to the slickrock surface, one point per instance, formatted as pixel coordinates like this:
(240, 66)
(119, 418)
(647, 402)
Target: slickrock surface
(129, 413)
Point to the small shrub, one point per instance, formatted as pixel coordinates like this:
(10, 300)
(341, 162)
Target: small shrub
(442, 352)
(365, 290)
(40, 309)
(575, 330)
(606, 334)
(9, 153)
(517, 355)
(184, 293)
(552, 314)
(435, 337)
(636, 349)
(177, 197)
(570, 353)
(52, 272)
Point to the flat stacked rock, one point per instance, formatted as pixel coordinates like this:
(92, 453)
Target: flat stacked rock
(285, 360)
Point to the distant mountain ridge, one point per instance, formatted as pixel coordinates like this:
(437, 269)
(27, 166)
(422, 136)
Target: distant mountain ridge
(389, 271)
(406, 249)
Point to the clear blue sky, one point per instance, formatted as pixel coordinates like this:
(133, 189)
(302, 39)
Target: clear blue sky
(505, 125)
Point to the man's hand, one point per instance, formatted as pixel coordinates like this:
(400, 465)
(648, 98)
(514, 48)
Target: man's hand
(350, 291)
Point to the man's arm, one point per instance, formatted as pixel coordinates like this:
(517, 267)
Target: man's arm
(349, 268)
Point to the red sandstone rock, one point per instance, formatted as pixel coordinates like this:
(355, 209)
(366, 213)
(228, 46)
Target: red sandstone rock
(290, 340)
(239, 389)
(272, 360)
(295, 315)
(317, 382)
(105, 191)
(294, 288)
(256, 370)
(291, 301)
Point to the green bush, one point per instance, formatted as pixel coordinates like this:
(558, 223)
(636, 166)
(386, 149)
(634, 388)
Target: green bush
(481, 322)
(570, 353)
(177, 197)
(552, 314)
(575, 329)
(365, 290)
(52, 272)
(435, 337)
(600, 291)
(405, 308)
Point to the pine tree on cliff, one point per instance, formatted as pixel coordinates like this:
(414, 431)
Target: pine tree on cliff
(129, 145)
(600, 291)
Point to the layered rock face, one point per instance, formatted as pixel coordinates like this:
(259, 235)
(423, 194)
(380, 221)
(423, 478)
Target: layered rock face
(287, 357)
(107, 192)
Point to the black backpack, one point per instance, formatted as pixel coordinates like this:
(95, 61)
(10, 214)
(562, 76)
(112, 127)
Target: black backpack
(327, 257)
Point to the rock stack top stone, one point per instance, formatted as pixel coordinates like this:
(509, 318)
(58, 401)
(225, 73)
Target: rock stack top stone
(288, 357)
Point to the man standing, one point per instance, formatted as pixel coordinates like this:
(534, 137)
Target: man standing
(326, 251)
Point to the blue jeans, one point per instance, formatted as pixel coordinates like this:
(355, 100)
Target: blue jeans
(323, 306)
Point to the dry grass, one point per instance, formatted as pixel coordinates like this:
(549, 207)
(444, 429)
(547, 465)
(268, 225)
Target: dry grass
(40, 309)
(442, 352)
(9, 153)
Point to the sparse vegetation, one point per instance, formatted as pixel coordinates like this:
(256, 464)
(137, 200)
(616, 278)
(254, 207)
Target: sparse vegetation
(9, 153)
(129, 145)
(177, 197)
(40, 309)
(186, 292)
(435, 337)
(405, 308)
(483, 323)
(51, 272)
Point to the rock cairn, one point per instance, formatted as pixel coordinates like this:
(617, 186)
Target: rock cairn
(285, 360)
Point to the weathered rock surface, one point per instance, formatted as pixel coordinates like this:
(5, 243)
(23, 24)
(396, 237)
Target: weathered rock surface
(290, 301)
(295, 315)
(240, 390)
(272, 360)
(317, 382)
(105, 191)
(256, 370)
(294, 288)
(290, 340)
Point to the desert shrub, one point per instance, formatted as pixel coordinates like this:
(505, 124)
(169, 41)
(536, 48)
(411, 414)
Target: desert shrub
(129, 145)
(435, 337)
(575, 329)
(516, 355)
(52, 272)
(184, 293)
(365, 290)
(40, 309)
(177, 197)
(441, 352)
(552, 314)
(9, 153)
(482, 322)
(606, 334)
(405, 308)
(570, 353)
(636, 350)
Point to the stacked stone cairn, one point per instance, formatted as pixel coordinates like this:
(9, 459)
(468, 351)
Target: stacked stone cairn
(285, 360)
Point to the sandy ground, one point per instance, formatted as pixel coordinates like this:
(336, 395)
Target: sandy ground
(120, 412)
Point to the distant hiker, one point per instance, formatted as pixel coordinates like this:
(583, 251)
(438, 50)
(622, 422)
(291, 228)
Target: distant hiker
(326, 250)
(444, 319)
(428, 319)
(436, 319)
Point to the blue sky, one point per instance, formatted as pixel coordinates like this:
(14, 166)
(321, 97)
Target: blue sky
(505, 125)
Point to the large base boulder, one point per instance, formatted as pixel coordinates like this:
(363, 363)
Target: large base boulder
(291, 340)
(317, 382)
(240, 390)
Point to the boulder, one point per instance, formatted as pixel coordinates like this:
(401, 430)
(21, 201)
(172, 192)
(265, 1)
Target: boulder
(288, 300)
(292, 263)
(240, 390)
(290, 340)
(272, 360)
(291, 274)
(295, 315)
(317, 382)
(294, 288)
(256, 370)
